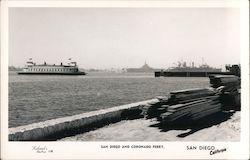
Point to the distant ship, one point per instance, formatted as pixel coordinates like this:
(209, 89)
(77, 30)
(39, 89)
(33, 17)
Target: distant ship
(182, 70)
(144, 69)
(32, 68)
(202, 68)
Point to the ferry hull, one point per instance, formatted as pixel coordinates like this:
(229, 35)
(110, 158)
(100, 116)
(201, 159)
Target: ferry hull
(54, 73)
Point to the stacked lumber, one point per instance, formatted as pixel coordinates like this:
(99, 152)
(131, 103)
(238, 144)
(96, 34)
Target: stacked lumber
(229, 88)
(184, 106)
(191, 105)
(191, 111)
(229, 81)
(188, 95)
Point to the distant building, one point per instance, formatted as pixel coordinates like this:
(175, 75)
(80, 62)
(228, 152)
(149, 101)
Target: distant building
(145, 68)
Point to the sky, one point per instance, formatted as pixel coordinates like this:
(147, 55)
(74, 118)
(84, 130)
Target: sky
(104, 38)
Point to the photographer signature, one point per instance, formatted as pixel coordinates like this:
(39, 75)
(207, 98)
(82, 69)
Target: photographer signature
(41, 149)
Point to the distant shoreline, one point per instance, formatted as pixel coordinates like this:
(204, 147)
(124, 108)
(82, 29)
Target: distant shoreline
(12, 68)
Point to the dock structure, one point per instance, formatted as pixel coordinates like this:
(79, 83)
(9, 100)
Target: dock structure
(189, 106)
(67, 126)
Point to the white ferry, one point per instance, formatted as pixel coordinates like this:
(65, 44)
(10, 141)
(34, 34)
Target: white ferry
(46, 69)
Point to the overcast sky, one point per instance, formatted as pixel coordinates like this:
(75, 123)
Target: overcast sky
(125, 37)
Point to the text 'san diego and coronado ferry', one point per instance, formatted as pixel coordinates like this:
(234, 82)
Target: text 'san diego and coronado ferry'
(47, 69)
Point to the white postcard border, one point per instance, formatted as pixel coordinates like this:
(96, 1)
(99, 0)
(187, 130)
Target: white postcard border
(92, 150)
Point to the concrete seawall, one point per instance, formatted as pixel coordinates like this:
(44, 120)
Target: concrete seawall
(72, 125)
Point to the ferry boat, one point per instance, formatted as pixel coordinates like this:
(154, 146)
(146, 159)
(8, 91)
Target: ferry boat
(46, 69)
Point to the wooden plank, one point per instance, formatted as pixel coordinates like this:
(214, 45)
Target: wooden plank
(172, 117)
(162, 98)
(164, 106)
(166, 114)
(204, 108)
(214, 97)
(178, 106)
(204, 114)
(206, 111)
(188, 91)
(191, 109)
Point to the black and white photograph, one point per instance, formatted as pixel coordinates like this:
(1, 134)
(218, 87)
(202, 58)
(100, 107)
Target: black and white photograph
(124, 78)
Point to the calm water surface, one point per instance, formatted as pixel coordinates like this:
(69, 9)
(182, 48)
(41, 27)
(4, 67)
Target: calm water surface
(35, 98)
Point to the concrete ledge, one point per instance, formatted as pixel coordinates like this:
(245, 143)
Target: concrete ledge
(72, 125)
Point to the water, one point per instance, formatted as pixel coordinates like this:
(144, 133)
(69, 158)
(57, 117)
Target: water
(35, 98)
